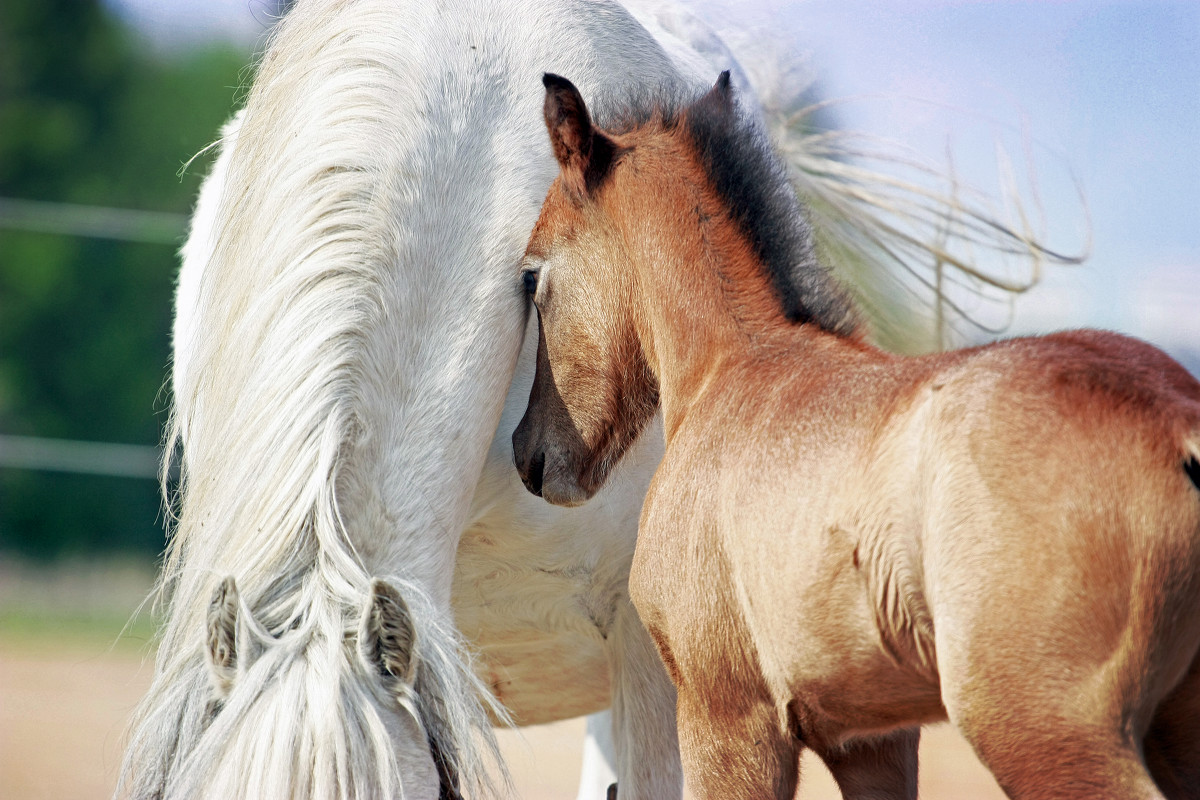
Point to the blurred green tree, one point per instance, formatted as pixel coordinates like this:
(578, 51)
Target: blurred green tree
(91, 114)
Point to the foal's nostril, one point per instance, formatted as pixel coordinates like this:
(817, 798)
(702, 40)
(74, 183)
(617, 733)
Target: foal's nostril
(536, 467)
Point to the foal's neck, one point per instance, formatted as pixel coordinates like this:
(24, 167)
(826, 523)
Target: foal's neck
(705, 298)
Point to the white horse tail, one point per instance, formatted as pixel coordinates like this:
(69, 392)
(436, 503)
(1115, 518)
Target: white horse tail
(885, 235)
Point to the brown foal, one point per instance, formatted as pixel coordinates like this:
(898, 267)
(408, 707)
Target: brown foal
(840, 544)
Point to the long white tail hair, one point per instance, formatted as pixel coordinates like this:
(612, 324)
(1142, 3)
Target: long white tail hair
(921, 250)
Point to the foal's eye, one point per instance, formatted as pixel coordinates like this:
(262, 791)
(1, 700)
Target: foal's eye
(529, 278)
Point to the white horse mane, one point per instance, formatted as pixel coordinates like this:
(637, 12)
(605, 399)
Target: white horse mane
(268, 406)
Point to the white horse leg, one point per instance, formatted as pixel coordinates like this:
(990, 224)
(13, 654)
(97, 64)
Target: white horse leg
(643, 714)
(599, 758)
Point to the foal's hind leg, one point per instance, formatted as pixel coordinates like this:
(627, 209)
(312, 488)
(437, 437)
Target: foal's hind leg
(1040, 769)
(1050, 751)
(881, 768)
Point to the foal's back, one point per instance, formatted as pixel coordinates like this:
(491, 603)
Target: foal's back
(1061, 542)
(1007, 535)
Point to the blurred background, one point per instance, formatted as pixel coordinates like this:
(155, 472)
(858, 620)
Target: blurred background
(1084, 111)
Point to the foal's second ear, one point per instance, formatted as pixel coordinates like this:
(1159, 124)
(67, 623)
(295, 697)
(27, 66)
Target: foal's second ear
(720, 96)
(583, 151)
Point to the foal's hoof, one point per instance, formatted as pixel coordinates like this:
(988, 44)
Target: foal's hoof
(612, 792)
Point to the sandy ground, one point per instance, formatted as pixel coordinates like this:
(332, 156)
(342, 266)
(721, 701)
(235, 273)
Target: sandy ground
(64, 704)
(68, 685)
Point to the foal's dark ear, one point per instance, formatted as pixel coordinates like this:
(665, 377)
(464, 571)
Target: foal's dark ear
(720, 97)
(386, 637)
(583, 151)
(221, 636)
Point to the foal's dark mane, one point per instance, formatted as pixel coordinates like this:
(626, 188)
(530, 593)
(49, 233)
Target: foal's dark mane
(753, 183)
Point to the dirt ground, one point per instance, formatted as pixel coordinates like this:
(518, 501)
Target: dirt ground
(64, 704)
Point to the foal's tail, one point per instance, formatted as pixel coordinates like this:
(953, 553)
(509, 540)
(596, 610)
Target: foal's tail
(1191, 459)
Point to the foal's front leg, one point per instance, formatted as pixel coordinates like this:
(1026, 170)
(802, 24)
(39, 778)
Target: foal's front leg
(734, 747)
(879, 768)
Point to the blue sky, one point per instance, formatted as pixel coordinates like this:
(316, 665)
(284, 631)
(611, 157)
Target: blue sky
(1106, 94)
(171, 22)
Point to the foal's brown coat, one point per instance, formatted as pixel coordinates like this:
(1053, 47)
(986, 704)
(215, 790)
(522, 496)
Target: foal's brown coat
(841, 544)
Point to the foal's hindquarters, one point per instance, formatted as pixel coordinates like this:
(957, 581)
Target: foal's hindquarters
(1008, 537)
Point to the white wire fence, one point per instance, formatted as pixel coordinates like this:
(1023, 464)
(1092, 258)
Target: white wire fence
(121, 224)
(92, 458)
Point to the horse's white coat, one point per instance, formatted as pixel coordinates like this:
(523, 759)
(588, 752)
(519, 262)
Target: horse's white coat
(346, 346)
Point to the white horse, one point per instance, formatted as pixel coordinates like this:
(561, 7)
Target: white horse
(349, 366)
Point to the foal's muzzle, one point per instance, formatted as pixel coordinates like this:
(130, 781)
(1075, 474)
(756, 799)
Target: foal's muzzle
(532, 475)
(545, 469)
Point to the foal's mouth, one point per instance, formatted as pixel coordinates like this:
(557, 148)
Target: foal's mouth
(547, 476)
